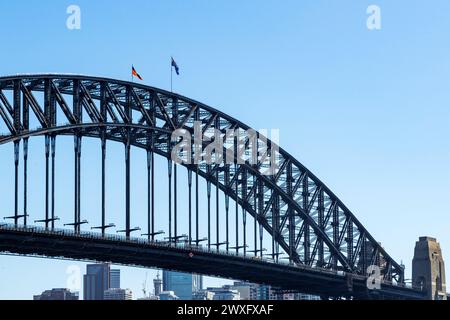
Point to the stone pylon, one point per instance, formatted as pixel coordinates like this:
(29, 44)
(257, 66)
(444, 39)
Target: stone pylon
(428, 270)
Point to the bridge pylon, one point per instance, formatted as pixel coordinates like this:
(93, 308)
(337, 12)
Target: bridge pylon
(428, 270)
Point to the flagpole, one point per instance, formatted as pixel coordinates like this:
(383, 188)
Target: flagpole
(171, 77)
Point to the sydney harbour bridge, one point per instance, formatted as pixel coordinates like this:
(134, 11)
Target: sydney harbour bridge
(303, 238)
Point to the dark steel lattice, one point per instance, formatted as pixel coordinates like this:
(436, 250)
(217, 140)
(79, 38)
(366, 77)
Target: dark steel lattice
(304, 218)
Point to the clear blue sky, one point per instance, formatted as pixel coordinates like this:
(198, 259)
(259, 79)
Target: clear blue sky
(366, 111)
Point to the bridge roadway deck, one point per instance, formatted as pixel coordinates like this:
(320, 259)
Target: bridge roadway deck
(192, 259)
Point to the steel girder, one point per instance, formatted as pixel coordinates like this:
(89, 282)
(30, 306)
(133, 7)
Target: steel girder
(305, 218)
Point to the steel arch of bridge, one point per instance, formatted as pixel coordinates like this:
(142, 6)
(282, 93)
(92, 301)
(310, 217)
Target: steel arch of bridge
(304, 218)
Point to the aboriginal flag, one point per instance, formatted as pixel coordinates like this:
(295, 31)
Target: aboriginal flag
(135, 74)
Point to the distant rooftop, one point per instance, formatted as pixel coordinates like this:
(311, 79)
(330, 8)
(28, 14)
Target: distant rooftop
(427, 239)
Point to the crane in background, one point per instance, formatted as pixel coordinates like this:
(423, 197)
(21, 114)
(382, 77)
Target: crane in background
(144, 285)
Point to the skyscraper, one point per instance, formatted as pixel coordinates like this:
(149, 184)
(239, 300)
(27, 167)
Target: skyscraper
(183, 284)
(114, 282)
(96, 281)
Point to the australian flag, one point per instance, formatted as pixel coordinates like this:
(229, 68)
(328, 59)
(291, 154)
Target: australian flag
(174, 65)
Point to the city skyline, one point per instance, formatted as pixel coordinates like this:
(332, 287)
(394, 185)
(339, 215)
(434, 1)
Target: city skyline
(172, 286)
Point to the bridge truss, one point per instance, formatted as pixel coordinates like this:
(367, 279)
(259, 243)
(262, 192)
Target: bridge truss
(305, 221)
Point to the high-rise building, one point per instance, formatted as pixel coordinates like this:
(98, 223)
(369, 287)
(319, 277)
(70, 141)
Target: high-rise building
(118, 294)
(57, 294)
(114, 276)
(96, 281)
(157, 283)
(183, 284)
